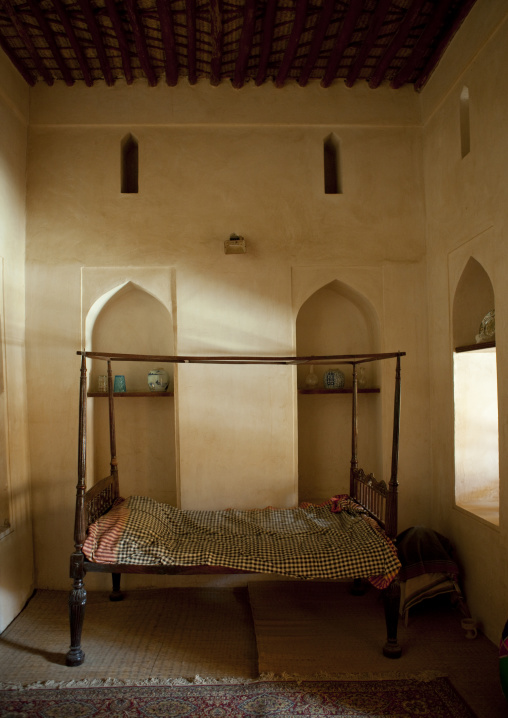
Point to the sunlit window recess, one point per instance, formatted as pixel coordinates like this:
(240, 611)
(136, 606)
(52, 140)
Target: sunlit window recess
(476, 432)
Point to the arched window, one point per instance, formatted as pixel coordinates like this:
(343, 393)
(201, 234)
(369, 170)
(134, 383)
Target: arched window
(331, 161)
(465, 139)
(476, 441)
(129, 168)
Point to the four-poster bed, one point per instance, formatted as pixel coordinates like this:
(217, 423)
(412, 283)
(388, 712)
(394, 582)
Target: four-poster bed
(138, 535)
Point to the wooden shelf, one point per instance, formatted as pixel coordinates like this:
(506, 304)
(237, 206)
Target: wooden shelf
(131, 394)
(372, 390)
(476, 347)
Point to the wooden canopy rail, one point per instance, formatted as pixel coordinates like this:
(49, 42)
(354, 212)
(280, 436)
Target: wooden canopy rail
(378, 499)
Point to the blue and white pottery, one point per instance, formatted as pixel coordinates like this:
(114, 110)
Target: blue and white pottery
(334, 379)
(158, 380)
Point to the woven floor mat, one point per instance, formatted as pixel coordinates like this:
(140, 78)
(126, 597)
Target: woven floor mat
(312, 628)
(305, 628)
(180, 632)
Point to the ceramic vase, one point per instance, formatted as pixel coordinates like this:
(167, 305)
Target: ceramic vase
(158, 380)
(334, 379)
(311, 380)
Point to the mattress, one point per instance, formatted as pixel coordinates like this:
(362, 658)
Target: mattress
(331, 541)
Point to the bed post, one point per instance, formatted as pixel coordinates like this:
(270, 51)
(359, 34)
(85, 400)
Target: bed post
(358, 587)
(354, 435)
(391, 594)
(77, 596)
(116, 594)
(391, 508)
(112, 429)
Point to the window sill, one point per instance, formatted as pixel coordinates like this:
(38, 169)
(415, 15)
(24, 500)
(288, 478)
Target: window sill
(487, 511)
(476, 347)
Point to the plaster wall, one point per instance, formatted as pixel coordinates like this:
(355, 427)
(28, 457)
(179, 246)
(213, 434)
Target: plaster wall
(466, 200)
(213, 161)
(16, 558)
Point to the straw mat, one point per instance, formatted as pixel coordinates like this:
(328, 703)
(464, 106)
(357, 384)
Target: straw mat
(240, 635)
(308, 628)
(182, 632)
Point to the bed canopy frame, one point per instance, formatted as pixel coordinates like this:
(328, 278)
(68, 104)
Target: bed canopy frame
(378, 498)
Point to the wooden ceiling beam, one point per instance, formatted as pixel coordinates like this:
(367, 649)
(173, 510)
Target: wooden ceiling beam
(369, 41)
(245, 44)
(168, 38)
(140, 40)
(76, 47)
(396, 44)
(49, 37)
(217, 40)
(432, 29)
(342, 41)
(93, 28)
(317, 41)
(20, 66)
(27, 40)
(190, 11)
(267, 39)
(122, 40)
(443, 44)
(293, 42)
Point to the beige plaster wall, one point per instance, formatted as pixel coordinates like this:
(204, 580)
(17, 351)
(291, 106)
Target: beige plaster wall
(466, 202)
(16, 558)
(215, 161)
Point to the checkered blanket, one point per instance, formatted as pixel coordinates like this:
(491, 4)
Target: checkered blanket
(334, 540)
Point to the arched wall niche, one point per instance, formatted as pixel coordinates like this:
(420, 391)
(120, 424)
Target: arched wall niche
(129, 319)
(336, 319)
(473, 299)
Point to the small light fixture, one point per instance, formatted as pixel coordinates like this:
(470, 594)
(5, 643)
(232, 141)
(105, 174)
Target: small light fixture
(235, 245)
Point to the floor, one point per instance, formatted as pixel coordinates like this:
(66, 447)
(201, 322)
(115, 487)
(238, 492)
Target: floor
(213, 632)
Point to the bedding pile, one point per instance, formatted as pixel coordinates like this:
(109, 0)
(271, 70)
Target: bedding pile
(330, 541)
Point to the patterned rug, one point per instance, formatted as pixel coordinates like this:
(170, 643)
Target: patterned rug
(404, 698)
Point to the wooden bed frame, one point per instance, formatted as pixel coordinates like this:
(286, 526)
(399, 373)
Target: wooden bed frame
(376, 497)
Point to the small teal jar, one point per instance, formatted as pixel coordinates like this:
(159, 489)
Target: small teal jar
(119, 384)
(334, 379)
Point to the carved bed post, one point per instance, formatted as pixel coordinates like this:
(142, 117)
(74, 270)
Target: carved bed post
(391, 595)
(391, 507)
(354, 435)
(116, 594)
(112, 429)
(77, 596)
(391, 601)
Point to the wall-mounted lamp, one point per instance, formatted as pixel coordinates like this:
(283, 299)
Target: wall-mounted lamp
(235, 245)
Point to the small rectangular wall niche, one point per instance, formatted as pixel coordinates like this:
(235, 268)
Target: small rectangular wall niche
(331, 164)
(129, 165)
(465, 138)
